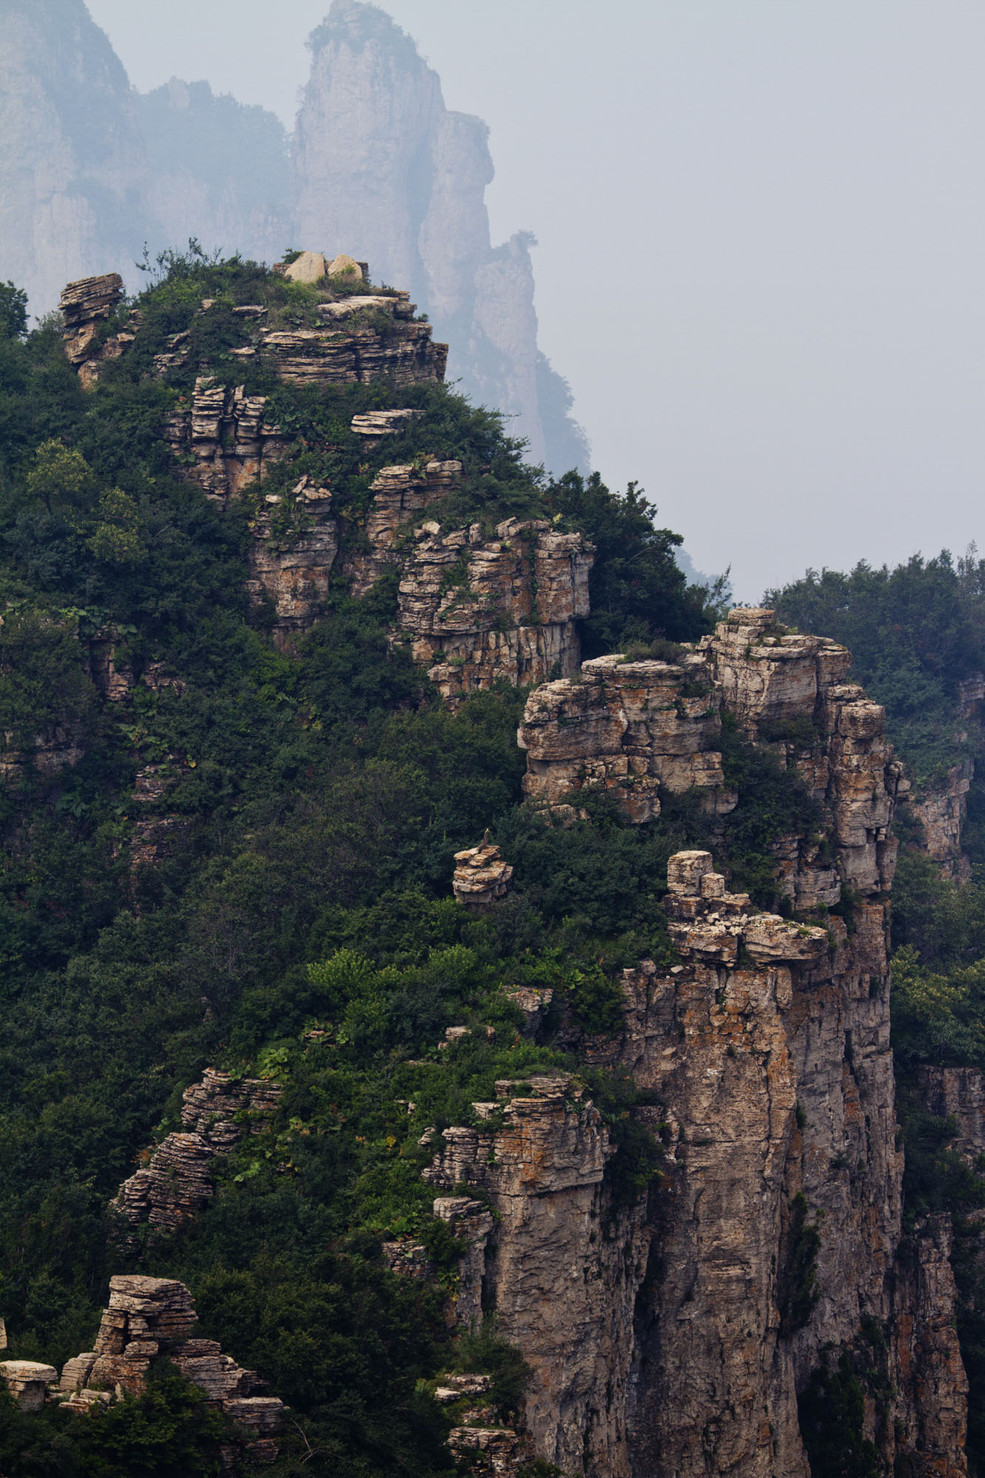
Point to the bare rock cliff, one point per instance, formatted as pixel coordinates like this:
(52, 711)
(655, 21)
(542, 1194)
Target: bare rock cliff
(771, 1244)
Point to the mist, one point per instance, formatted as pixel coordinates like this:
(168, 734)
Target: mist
(760, 235)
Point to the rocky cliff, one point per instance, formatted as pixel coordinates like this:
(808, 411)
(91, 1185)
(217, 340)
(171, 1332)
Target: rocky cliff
(692, 1329)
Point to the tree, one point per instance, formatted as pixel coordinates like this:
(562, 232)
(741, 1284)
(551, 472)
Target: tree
(13, 311)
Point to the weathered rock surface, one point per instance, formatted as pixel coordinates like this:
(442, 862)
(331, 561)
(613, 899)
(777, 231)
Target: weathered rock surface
(475, 610)
(28, 1382)
(148, 1317)
(764, 1058)
(292, 567)
(625, 727)
(635, 727)
(399, 494)
(957, 1093)
(941, 810)
(85, 306)
(561, 1287)
(481, 876)
(222, 438)
(177, 1182)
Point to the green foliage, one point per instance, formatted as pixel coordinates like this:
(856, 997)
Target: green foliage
(915, 632)
(773, 803)
(797, 1285)
(13, 311)
(832, 1408)
(169, 1432)
(638, 593)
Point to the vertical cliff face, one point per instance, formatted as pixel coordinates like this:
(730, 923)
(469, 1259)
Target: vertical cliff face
(73, 164)
(381, 165)
(770, 1250)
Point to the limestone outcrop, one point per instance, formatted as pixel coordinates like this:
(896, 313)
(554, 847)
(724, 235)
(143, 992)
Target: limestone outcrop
(151, 1317)
(561, 1283)
(474, 610)
(672, 1329)
(292, 567)
(764, 1073)
(177, 1181)
(28, 1382)
(222, 439)
(631, 728)
(636, 727)
(481, 877)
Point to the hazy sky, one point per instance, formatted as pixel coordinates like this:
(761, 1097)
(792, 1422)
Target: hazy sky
(762, 240)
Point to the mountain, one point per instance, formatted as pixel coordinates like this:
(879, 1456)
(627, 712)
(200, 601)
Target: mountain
(378, 167)
(510, 1061)
(73, 165)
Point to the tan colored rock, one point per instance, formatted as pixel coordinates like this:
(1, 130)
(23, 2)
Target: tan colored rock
(475, 610)
(177, 1180)
(27, 1382)
(346, 267)
(223, 440)
(399, 493)
(383, 423)
(293, 569)
(338, 356)
(489, 1452)
(309, 267)
(481, 878)
(86, 305)
(625, 727)
(151, 1316)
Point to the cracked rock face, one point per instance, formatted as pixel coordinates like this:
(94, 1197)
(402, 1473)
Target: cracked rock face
(636, 728)
(481, 876)
(626, 727)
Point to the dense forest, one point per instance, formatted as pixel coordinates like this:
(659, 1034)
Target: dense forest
(303, 930)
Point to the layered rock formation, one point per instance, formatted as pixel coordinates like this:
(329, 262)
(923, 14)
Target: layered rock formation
(475, 610)
(151, 1317)
(222, 438)
(481, 876)
(177, 1181)
(635, 728)
(770, 1241)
